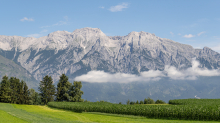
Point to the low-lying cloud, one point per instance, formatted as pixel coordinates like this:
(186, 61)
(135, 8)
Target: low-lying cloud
(152, 75)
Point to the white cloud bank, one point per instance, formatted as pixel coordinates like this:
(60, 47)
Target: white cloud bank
(152, 75)
(26, 19)
(118, 7)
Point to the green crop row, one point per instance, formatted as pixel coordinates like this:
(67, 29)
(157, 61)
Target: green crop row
(195, 102)
(187, 112)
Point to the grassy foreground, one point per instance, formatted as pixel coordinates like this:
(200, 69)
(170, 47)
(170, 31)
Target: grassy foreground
(14, 113)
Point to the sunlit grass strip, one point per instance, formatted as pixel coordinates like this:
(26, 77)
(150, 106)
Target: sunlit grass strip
(187, 112)
(9, 118)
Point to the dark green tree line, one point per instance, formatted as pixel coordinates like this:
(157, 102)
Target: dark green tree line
(13, 91)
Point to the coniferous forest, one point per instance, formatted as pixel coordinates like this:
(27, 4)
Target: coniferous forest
(13, 90)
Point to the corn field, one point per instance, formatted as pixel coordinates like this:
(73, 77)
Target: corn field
(187, 109)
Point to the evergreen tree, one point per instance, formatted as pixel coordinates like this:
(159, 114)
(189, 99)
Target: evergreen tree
(75, 92)
(34, 97)
(21, 93)
(26, 93)
(63, 87)
(145, 101)
(5, 92)
(137, 102)
(14, 85)
(47, 89)
(37, 99)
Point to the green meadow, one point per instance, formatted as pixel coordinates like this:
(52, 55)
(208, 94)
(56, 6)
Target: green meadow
(16, 113)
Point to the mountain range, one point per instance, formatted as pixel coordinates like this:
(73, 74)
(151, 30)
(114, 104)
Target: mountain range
(89, 49)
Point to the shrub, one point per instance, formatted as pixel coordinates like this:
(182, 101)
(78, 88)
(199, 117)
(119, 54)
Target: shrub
(141, 102)
(160, 102)
(149, 101)
(132, 103)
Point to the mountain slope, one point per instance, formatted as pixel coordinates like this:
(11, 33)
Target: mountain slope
(11, 69)
(89, 49)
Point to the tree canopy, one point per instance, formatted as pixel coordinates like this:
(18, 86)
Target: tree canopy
(47, 89)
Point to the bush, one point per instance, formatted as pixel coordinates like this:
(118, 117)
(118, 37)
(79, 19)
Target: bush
(141, 102)
(149, 101)
(160, 102)
(132, 103)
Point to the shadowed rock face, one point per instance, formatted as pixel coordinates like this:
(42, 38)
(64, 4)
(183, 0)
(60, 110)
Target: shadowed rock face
(88, 49)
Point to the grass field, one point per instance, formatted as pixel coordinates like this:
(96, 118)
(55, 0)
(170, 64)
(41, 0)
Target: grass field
(14, 113)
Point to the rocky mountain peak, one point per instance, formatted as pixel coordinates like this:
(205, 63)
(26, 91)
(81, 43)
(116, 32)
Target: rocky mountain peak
(88, 31)
(59, 33)
(77, 52)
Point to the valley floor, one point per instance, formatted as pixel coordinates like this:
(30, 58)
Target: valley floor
(14, 113)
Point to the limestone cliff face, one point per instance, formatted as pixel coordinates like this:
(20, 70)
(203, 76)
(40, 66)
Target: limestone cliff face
(88, 49)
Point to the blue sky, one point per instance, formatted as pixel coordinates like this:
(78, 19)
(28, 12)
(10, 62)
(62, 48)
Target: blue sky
(193, 22)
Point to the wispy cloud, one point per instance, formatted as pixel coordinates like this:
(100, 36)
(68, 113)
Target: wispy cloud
(188, 36)
(172, 33)
(153, 75)
(43, 31)
(37, 35)
(102, 7)
(27, 19)
(64, 22)
(118, 7)
(216, 48)
(200, 33)
(179, 33)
